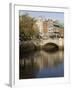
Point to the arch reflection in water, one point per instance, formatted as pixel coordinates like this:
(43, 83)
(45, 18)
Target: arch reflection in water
(41, 64)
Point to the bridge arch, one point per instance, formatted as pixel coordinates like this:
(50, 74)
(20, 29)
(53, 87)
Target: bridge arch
(50, 47)
(51, 43)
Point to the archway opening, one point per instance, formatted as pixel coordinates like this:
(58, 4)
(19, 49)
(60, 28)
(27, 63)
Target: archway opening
(51, 47)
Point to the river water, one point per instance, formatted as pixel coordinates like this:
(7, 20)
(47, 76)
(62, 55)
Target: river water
(41, 64)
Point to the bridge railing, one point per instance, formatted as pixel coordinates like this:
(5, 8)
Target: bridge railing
(58, 42)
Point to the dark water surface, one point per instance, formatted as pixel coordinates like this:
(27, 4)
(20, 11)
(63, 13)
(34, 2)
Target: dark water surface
(41, 64)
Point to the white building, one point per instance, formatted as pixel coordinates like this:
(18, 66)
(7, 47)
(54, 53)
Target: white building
(39, 23)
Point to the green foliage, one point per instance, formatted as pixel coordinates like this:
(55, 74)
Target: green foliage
(26, 27)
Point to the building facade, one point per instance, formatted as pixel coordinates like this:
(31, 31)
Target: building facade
(47, 28)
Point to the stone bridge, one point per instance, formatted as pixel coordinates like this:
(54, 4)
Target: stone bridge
(58, 41)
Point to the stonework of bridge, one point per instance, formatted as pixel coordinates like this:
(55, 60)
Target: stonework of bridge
(59, 42)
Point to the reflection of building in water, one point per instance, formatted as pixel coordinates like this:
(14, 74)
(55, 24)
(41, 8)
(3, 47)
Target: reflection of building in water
(43, 59)
(49, 60)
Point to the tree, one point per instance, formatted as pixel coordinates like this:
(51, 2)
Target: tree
(26, 27)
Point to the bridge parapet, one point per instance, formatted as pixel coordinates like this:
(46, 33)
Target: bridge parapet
(59, 42)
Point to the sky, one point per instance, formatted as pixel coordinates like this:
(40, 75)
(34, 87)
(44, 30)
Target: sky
(48, 15)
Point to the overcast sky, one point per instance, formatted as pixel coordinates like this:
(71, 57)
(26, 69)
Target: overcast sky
(48, 15)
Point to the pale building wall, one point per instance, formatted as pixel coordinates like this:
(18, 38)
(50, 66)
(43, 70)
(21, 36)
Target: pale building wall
(39, 23)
